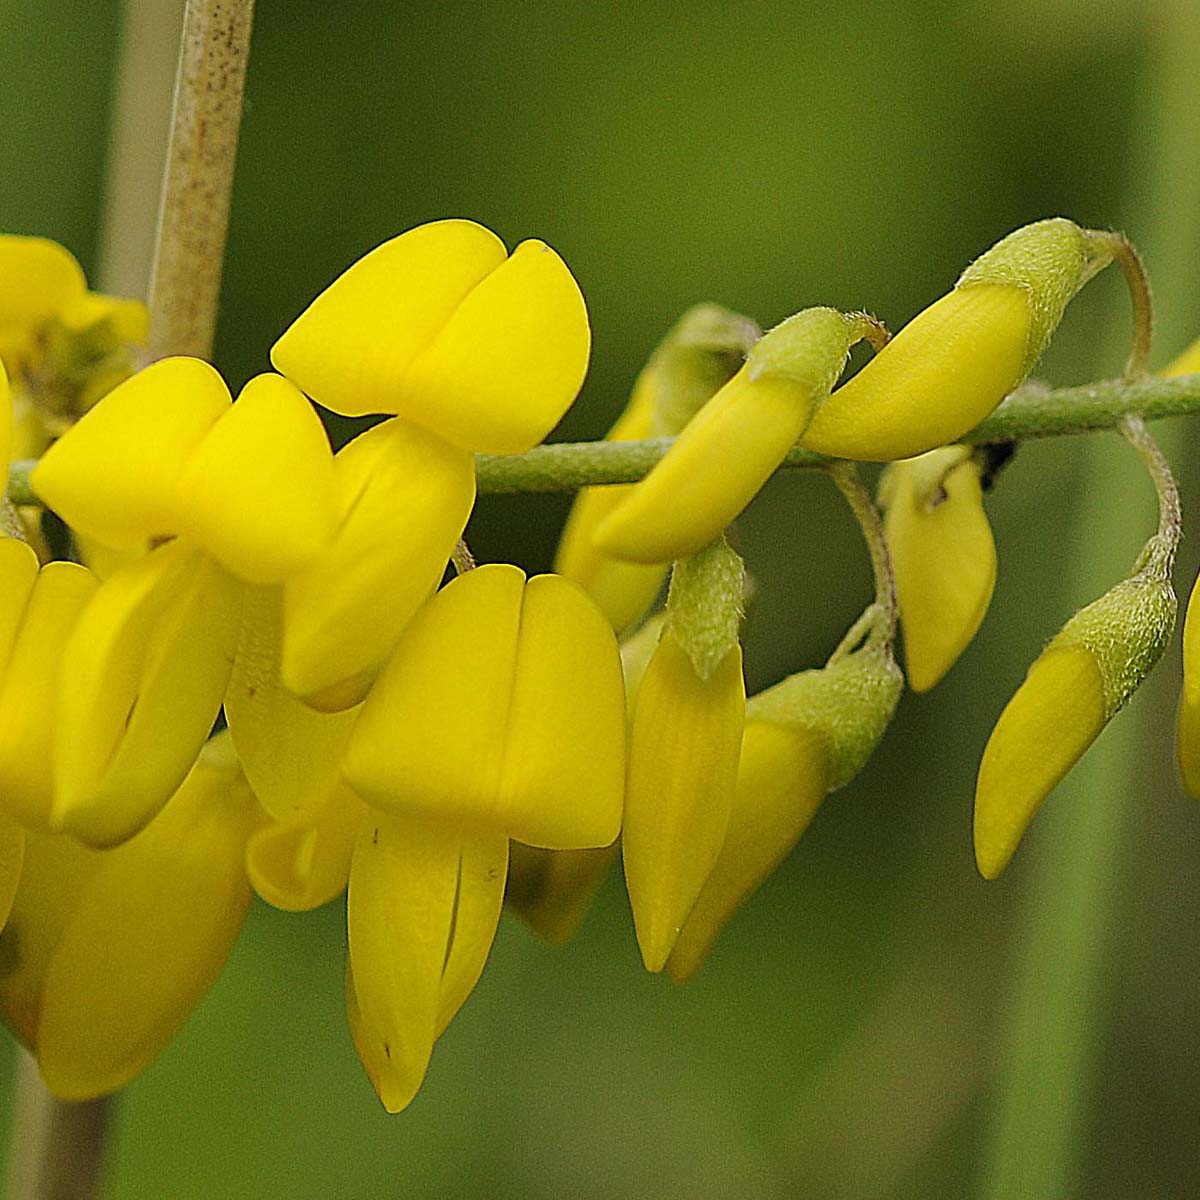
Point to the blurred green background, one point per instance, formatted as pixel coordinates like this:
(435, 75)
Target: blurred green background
(849, 1036)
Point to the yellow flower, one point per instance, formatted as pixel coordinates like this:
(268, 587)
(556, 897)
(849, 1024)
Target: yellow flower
(477, 731)
(64, 346)
(685, 740)
(440, 326)
(1075, 687)
(107, 952)
(243, 493)
(473, 350)
(953, 363)
(696, 358)
(944, 557)
(729, 449)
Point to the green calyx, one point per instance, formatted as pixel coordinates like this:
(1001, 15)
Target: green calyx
(1126, 631)
(1049, 261)
(849, 704)
(811, 347)
(703, 350)
(705, 604)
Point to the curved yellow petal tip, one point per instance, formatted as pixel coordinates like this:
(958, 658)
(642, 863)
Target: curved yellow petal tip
(685, 743)
(259, 492)
(1045, 729)
(115, 475)
(551, 890)
(946, 370)
(351, 349)
(783, 776)
(945, 562)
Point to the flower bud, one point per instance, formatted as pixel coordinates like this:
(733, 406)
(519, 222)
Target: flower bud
(943, 554)
(804, 737)
(442, 327)
(684, 745)
(705, 347)
(1074, 688)
(953, 363)
(732, 445)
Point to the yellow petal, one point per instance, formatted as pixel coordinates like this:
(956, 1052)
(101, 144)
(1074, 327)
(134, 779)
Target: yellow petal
(714, 469)
(303, 863)
(507, 365)
(683, 759)
(291, 754)
(563, 780)
(945, 561)
(403, 881)
(431, 735)
(115, 475)
(1187, 743)
(782, 779)
(551, 890)
(150, 932)
(1054, 717)
(351, 348)
(259, 493)
(405, 496)
(482, 870)
(128, 319)
(1191, 646)
(1188, 363)
(142, 680)
(29, 697)
(12, 854)
(38, 278)
(938, 377)
(479, 716)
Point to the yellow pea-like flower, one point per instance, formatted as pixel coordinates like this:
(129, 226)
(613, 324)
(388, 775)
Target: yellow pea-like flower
(442, 327)
(38, 613)
(403, 499)
(953, 363)
(698, 356)
(685, 740)
(729, 449)
(1074, 688)
(107, 952)
(944, 557)
(479, 717)
(143, 675)
(114, 476)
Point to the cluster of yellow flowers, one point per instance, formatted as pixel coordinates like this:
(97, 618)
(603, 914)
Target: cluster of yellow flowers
(428, 748)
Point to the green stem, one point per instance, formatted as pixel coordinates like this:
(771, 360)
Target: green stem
(1159, 555)
(887, 611)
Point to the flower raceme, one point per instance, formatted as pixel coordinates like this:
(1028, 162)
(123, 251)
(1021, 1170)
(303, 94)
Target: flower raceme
(953, 363)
